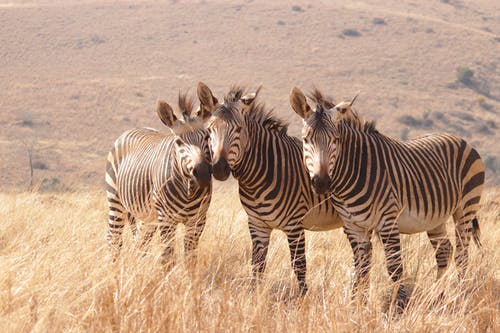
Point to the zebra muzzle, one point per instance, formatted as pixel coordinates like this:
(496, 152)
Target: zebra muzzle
(221, 169)
(203, 174)
(320, 184)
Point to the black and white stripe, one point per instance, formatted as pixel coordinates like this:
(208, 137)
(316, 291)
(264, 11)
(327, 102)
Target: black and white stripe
(383, 185)
(275, 191)
(161, 179)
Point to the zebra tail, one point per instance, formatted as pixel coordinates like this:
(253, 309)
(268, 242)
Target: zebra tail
(476, 232)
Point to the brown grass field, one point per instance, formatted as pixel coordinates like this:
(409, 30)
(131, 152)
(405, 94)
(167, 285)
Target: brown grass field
(76, 74)
(55, 277)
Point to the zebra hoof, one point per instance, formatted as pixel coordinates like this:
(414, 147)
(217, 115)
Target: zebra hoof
(113, 255)
(303, 289)
(401, 306)
(112, 258)
(167, 263)
(396, 301)
(439, 300)
(401, 300)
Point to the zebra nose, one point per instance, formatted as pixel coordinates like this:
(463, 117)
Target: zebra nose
(221, 169)
(319, 184)
(203, 174)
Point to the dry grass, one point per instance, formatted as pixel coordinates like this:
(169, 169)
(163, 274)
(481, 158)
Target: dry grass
(55, 277)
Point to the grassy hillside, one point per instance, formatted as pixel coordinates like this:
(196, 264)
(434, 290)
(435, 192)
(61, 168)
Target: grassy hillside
(55, 277)
(76, 74)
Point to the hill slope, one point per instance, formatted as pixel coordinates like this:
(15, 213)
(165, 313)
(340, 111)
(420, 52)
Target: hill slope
(74, 75)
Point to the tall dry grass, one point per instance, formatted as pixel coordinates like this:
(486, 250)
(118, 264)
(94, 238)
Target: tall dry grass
(55, 277)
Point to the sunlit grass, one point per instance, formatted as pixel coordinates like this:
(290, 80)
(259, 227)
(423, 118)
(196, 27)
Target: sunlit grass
(56, 276)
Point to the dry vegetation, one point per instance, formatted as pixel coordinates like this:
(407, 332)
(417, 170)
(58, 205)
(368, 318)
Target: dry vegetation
(75, 74)
(56, 277)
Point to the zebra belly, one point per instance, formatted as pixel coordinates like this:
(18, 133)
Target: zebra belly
(316, 220)
(409, 223)
(139, 209)
(148, 217)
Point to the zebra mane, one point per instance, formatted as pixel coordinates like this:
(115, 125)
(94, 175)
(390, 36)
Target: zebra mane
(370, 127)
(190, 124)
(186, 105)
(352, 118)
(230, 105)
(255, 111)
(322, 101)
(234, 94)
(266, 118)
(358, 123)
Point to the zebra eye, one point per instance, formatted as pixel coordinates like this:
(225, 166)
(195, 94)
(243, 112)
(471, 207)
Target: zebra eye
(179, 142)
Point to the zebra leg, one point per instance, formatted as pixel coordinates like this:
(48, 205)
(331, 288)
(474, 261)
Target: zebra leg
(362, 250)
(147, 231)
(133, 225)
(116, 222)
(463, 234)
(442, 246)
(392, 245)
(192, 237)
(297, 244)
(260, 235)
(167, 237)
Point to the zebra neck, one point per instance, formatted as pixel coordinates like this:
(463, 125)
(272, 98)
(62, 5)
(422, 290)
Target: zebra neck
(266, 152)
(240, 169)
(347, 162)
(175, 176)
(358, 163)
(256, 157)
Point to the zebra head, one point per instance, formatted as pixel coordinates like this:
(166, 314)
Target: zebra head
(227, 130)
(346, 112)
(191, 142)
(319, 137)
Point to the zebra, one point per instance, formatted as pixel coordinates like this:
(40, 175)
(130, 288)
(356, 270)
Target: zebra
(274, 188)
(383, 185)
(160, 178)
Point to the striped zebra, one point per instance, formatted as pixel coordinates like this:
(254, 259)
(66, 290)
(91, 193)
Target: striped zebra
(161, 179)
(383, 185)
(249, 142)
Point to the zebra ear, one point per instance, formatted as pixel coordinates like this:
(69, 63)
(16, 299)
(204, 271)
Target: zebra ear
(208, 102)
(165, 113)
(352, 102)
(345, 106)
(342, 107)
(299, 103)
(249, 98)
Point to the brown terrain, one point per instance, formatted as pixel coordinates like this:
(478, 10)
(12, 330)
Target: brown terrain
(75, 74)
